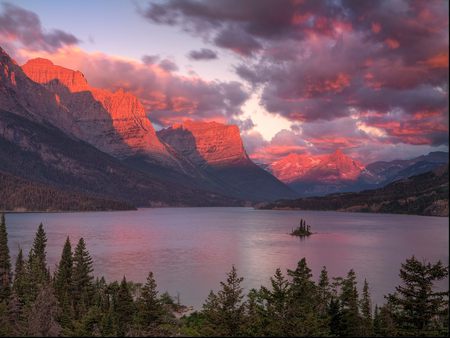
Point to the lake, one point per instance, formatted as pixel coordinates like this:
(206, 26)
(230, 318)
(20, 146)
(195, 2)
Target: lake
(190, 250)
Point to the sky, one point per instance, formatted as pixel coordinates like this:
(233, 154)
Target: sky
(297, 76)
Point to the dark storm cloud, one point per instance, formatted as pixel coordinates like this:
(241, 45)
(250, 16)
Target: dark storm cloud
(202, 54)
(18, 24)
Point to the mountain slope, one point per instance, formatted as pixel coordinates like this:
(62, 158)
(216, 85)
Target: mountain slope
(317, 174)
(114, 122)
(217, 149)
(424, 194)
(18, 194)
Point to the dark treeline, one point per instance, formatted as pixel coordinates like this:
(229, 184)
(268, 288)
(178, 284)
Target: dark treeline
(70, 302)
(17, 193)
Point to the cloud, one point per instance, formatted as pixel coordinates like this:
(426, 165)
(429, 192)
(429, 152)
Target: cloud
(202, 54)
(168, 65)
(19, 25)
(168, 98)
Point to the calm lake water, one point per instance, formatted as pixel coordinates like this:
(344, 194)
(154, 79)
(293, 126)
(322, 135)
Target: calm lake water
(190, 250)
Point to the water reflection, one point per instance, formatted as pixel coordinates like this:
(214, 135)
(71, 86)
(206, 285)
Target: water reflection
(191, 249)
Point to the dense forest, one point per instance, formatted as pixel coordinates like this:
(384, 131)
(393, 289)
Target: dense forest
(71, 302)
(19, 194)
(424, 194)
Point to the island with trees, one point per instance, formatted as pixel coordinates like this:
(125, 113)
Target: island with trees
(72, 302)
(303, 230)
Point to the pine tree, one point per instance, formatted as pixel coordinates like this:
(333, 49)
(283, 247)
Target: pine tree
(257, 322)
(324, 292)
(124, 308)
(351, 320)
(20, 278)
(366, 311)
(37, 260)
(277, 302)
(376, 322)
(149, 304)
(416, 305)
(225, 311)
(5, 263)
(82, 278)
(303, 315)
(63, 286)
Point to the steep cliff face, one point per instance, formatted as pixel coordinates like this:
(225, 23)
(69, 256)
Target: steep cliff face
(206, 143)
(217, 149)
(114, 122)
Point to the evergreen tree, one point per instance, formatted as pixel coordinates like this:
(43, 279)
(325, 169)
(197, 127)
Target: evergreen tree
(82, 278)
(303, 315)
(277, 303)
(366, 311)
(324, 293)
(5, 263)
(376, 322)
(351, 320)
(20, 277)
(417, 307)
(37, 261)
(124, 308)
(225, 311)
(63, 286)
(256, 322)
(150, 307)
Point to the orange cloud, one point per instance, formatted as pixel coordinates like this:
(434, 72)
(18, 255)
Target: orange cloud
(438, 61)
(392, 43)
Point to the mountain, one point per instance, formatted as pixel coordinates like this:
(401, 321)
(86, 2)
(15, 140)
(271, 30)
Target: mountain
(114, 122)
(382, 172)
(424, 194)
(217, 149)
(60, 133)
(36, 146)
(317, 174)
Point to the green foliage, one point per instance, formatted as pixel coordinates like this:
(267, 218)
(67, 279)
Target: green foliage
(5, 262)
(124, 308)
(224, 312)
(82, 278)
(417, 308)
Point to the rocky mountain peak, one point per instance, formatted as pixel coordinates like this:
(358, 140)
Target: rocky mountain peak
(210, 143)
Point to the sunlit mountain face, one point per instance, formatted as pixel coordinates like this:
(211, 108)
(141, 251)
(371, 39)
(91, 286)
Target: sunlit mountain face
(314, 92)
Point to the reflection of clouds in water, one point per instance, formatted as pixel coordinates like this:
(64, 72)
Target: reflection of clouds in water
(190, 250)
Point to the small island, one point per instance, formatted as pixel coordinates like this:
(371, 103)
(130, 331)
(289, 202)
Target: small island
(302, 230)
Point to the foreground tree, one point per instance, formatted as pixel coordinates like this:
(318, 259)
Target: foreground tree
(5, 262)
(366, 311)
(150, 310)
(416, 307)
(82, 286)
(124, 308)
(224, 312)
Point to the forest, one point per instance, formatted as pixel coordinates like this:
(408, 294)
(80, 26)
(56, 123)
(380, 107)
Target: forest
(71, 301)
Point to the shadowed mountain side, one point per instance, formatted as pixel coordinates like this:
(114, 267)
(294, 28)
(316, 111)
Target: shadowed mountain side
(424, 194)
(114, 122)
(45, 154)
(18, 194)
(217, 151)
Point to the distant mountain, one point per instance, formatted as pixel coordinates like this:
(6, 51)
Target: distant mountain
(318, 175)
(424, 194)
(58, 131)
(217, 149)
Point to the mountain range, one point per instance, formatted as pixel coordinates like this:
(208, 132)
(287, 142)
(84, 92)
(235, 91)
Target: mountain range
(318, 175)
(423, 194)
(58, 131)
(60, 135)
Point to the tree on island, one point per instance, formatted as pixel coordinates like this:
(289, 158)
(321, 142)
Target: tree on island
(303, 230)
